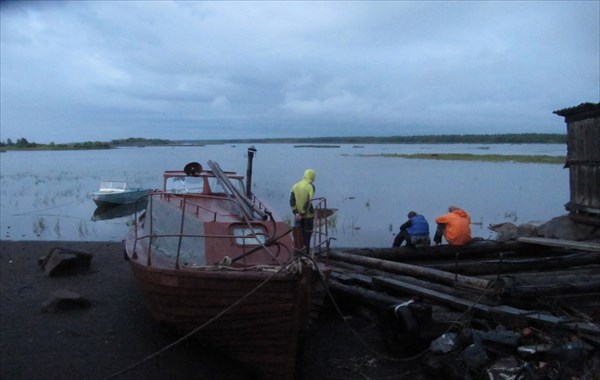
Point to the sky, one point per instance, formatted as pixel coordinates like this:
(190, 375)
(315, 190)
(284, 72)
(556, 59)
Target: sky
(97, 71)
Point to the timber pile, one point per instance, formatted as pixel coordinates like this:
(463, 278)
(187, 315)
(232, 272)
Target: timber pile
(517, 287)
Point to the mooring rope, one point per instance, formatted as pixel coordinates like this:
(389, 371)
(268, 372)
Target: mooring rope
(46, 209)
(213, 319)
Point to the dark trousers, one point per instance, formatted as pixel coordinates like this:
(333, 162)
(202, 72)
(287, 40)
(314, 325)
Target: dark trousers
(401, 237)
(439, 233)
(305, 225)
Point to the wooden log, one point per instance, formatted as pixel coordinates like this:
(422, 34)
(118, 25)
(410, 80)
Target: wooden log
(356, 275)
(369, 298)
(580, 245)
(436, 318)
(475, 249)
(545, 276)
(581, 274)
(509, 287)
(503, 312)
(471, 296)
(521, 264)
(414, 270)
(352, 278)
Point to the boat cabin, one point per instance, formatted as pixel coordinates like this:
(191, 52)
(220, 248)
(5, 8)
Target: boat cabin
(179, 182)
(202, 216)
(113, 186)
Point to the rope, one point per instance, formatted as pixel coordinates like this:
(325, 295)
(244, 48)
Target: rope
(46, 209)
(188, 335)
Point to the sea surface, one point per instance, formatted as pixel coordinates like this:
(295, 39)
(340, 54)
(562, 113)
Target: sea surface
(45, 195)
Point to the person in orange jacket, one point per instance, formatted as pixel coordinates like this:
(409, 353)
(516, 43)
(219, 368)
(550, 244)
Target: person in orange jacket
(455, 226)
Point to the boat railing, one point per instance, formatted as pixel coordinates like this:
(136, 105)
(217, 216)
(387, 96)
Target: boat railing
(187, 206)
(259, 205)
(184, 201)
(187, 202)
(177, 265)
(321, 240)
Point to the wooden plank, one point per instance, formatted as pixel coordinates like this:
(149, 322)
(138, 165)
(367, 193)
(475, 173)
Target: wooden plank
(580, 245)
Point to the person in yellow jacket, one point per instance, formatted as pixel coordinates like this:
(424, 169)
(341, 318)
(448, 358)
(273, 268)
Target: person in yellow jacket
(455, 226)
(301, 195)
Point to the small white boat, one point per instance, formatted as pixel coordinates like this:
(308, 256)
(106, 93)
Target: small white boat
(118, 193)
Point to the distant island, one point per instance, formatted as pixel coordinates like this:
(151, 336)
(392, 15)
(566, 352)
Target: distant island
(517, 158)
(509, 138)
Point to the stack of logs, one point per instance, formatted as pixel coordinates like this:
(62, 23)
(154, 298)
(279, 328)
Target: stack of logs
(499, 279)
(515, 284)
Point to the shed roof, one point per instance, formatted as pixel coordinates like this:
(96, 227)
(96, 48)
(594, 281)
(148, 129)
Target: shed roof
(592, 108)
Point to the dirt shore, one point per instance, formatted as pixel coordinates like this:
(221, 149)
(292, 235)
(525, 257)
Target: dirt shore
(116, 331)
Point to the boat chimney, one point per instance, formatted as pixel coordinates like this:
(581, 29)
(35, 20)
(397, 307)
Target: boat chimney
(251, 152)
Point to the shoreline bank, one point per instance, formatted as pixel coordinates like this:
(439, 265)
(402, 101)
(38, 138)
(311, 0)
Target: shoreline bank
(116, 330)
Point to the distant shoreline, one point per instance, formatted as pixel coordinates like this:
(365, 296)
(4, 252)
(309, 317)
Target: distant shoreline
(516, 158)
(508, 138)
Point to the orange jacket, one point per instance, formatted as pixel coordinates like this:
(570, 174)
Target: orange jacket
(458, 227)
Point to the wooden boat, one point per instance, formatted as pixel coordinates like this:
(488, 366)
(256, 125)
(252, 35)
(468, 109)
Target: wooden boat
(212, 260)
(118, 193)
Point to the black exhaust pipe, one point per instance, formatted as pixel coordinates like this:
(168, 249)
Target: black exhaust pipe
(251, 152)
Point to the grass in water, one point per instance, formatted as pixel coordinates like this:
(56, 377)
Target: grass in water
(541, 159)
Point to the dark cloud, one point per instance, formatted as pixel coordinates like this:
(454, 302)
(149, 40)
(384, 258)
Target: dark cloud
(75, 71)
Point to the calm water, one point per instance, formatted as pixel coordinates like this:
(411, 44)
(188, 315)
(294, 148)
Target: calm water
(46, 195)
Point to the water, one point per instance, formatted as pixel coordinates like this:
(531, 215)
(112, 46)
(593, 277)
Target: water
(46, 195)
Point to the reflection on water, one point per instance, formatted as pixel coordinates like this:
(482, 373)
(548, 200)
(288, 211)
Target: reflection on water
(46, 195)
(106, 212)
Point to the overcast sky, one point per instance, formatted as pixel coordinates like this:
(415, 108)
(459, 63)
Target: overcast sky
(93, 70)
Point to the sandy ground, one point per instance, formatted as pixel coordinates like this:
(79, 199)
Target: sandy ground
(116, 331)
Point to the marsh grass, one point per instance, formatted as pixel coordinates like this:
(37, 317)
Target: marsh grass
(523, 159)
(39, 226)
(57, 228)
(83, 229)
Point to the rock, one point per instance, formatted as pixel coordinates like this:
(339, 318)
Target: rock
(562, 227)
(499, 341)
(506, 231)
(64, 299)
(527, 230)
(444, 344)
(60, 261)
(504, 368)
(474, 357)
(532, 350)
(573, 352)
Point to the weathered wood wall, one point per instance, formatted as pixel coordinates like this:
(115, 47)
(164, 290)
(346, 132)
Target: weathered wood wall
(583, 161)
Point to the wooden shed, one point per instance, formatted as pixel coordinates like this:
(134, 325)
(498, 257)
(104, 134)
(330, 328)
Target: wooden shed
(583, 161)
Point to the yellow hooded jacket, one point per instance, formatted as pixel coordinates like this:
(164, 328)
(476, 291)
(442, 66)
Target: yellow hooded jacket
(302, 193)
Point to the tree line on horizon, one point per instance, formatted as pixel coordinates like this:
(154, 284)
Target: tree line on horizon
(506, 138)
(23, 144)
